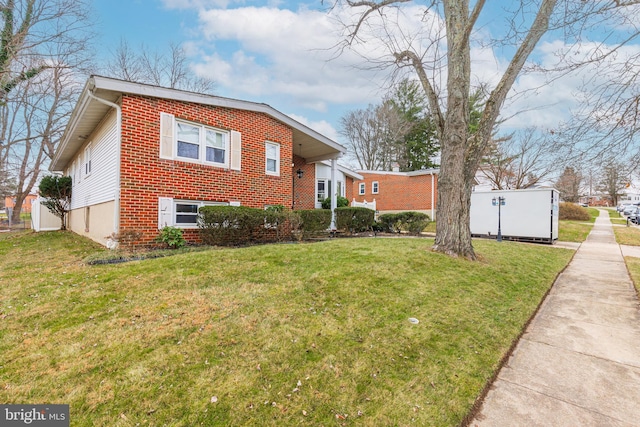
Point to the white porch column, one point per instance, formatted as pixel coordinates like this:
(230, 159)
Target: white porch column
(334, 196)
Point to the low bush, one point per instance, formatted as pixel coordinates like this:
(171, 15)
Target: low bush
(354, 219)
(340, 203)
(170, 236)
(411, 222)
(237, 225)
(313, 221)
(571, 211)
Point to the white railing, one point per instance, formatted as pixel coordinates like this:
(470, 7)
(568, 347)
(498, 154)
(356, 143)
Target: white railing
(364, 204)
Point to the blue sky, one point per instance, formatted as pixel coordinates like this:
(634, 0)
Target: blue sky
(280, 53)
(296, 82)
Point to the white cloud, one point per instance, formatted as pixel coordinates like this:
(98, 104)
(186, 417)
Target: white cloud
(323, 127)
(289, 54)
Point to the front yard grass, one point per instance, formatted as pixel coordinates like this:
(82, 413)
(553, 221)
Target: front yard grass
(627, 235)
(577, 231)
(273, 335)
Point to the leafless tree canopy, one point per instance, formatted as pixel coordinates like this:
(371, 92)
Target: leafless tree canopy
(438, 52)
(44, 44)
(615, 178)
(168, 69)
(570, 184)
(521, 160)
(373, 135)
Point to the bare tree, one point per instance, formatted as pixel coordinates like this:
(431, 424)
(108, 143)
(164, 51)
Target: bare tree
(521, 160)
(38, 113)
(374, 134)
(615, 178)
(43, 42)
(168, 69)
(439, 53)
(569, 184)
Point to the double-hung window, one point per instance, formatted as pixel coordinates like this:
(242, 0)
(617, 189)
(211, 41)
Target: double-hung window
(87, 160)
(272, 155)
(185, 212)
(374, 187)
(361, 188)
(202, 144)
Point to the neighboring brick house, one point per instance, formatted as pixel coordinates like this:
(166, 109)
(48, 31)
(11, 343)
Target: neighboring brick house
(10, 202)
(143, 156)
(399, 191)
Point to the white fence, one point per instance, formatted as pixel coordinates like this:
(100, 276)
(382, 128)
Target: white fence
(365, 204)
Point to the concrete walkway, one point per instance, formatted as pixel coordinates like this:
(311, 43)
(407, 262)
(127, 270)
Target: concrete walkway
(578, 363)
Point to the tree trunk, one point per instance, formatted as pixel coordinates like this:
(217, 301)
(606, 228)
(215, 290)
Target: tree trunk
(17, 208)
(453, 232)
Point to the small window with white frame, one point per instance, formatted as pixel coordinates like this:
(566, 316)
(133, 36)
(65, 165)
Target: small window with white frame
(361, 188)
(185, 212)
(375, 187)
(272, 155)
(87, 160)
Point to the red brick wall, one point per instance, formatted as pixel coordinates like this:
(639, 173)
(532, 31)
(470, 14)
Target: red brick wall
(145, 177)
(398, 192)
(304, 189)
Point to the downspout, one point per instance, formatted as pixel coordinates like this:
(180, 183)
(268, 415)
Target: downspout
(432, 195)
(334, 196)
(116, 209)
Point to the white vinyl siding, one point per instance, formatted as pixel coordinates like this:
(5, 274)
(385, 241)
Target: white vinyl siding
(100, 185)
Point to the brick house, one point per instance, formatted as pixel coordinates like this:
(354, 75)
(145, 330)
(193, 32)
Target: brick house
(143, 156)
(10, 202)
(398, 191)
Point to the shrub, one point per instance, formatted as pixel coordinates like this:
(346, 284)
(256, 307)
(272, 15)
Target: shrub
(388, 223)
(56, 191)
(571, 211)
(314, 221)
(411, 222)
(234, 225)
(172, 237)
(355, 219)
(340, 203)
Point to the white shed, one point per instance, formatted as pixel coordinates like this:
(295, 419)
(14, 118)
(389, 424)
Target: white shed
(526, 215)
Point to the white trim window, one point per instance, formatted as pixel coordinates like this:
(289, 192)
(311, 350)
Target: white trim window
(272, 158)
(361, 188)
(322, 189)
(87, 160)
(181, 213)
(197, 143)
(375, 187)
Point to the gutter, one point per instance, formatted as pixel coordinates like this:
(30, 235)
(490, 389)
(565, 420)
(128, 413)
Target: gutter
(116, 212)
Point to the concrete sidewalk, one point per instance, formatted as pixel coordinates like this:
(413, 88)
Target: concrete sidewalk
(578, 363)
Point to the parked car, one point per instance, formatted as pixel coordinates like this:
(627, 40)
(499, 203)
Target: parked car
(634, 216)
(628, 209)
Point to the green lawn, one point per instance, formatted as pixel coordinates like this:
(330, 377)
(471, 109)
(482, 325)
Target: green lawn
(577, 231)
(290, 334)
